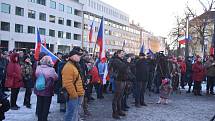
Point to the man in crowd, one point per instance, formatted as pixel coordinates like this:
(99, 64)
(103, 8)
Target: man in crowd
(210, 72)
(73, 84)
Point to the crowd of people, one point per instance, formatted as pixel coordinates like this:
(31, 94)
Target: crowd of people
(74, 76)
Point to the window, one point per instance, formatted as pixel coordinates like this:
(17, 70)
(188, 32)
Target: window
(77, 12)
(31, 14)
(53, 4)
(51, 33)
(60, 34)
(68, 35)
(69, 10)
(77, 24)
(18, 28)
(33, 1)
(42, 31)
(42, 2)
(31, 29)
(5, 8)
(61, 7)
(42, 16)
(68, 22)
(85, 26)
(52, 18)
(60, 20)
(19, 11)
(5, 26)
(77, 37)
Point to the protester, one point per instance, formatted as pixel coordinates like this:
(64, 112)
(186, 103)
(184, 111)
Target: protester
(73, 84)
(119, 69)
(27, 79)
(58, 86)
(14, 79)
(210, 72)
(189, 73)
(142, 75)
(3, 68)
(165, 91)
(44, 96)
(198, 75)
(4, 104)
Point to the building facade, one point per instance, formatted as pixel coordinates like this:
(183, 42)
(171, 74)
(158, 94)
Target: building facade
(64, 24)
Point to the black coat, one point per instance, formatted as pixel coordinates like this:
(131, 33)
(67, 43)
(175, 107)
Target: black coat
(119, 68)
(3, 65)
(143, 68)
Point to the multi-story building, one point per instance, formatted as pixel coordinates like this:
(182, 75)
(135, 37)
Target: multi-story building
(64, 24)
(59, 23)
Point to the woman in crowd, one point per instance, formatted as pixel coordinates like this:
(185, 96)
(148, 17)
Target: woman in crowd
(44, 96)
(14, 79)
(198, 75)
(27, 79)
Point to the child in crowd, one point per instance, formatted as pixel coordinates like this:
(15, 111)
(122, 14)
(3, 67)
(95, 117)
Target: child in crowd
(165, 91)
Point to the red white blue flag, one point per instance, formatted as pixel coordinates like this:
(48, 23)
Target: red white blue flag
(101, 42)
(91, 32)
(49, 53)
(38, 46)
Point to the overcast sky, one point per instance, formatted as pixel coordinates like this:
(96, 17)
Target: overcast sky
(157, 16)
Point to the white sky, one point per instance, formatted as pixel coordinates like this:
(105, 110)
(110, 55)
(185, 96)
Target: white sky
(157, 16)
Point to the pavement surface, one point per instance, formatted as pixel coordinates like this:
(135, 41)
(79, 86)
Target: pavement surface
(182, 107)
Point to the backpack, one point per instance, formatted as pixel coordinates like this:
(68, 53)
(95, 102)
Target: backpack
(41, 82)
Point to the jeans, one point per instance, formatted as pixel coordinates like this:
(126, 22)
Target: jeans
(73, 109)
(112, 81)
(27, 99)
(43, 106)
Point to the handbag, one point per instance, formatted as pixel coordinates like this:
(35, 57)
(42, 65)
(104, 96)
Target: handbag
(40, 82)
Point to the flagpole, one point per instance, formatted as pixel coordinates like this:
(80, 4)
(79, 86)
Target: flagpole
(94, 50)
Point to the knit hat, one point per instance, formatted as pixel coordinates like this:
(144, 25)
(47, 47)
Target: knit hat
(76, 51)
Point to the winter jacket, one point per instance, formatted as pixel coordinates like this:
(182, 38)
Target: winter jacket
(14, 73)
(27, 73)
(119, 69)
(143, 68)
(198, 71)
(210, 69)
(182, 66)
(72, 80)
(50, 76)
(95, 75)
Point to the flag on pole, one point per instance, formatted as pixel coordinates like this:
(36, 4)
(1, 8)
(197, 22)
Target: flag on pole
(142, 49)
(37, 46)
(183, 39)
(91, 32)
(100, 41)
(49, 53)
(123, 45)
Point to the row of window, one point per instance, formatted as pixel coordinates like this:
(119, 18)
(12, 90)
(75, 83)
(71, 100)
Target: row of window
(5, 26)
(42, 16)
(106, 10)
(112, 24)
(61, 7)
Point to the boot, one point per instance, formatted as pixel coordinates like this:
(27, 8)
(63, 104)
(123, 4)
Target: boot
(121, 113)
(207, 92)
(137, 105)
(115, 115)
(143, 104)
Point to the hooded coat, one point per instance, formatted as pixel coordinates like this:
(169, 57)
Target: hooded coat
(14, 73)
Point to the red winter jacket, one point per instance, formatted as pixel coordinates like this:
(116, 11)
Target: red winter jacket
(182, 66)
(14, 73)
(95, 75)
(198, 71)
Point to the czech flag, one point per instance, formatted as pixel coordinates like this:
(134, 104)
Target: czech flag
(91, 32)
(100, 41)
(49, 53)
(38, 46)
